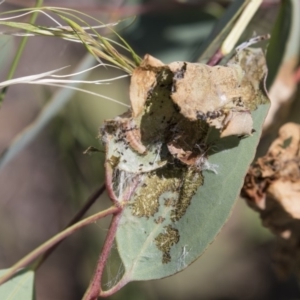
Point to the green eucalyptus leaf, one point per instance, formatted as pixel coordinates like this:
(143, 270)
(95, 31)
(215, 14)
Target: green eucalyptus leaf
(177, 199)
(293, 42)
(210, 208)
(278, 42)
(21, 286)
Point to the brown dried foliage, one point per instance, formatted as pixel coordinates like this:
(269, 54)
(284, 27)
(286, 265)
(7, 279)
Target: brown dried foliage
(272, 187)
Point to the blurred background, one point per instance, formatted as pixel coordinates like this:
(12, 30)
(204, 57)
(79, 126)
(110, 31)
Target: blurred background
(45, 184)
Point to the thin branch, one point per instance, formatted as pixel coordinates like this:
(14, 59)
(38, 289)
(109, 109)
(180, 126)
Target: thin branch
(90, 201)
(25, 261)
(94, 289)
(216, 58)
(297, 75)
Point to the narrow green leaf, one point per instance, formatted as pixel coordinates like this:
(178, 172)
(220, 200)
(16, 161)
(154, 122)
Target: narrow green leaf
(27, 27)
(221, 30)
(20, 287)
(58, 101)
(293, 42)
(279, 37)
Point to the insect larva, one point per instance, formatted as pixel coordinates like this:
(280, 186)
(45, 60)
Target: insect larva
(133, 137)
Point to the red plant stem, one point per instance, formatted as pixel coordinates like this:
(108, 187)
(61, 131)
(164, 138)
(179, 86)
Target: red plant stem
(95, 288)
(95, 285)
(297, 75)
(89, 202)
(124, 280)
(109, 184)
(115, 288)
(53, 241)
(215, 58)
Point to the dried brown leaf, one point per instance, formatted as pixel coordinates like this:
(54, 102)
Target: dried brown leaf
(143, 78)
(272, 187)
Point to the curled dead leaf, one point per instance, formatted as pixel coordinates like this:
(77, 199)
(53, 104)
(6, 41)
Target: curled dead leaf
(272, 187)
(223, 96)
(240, 123)
(142, 79)
(201, 88)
